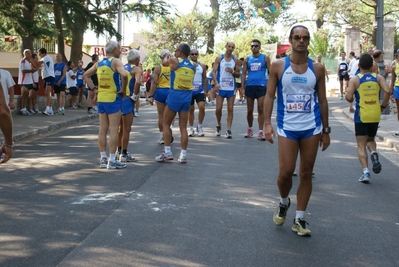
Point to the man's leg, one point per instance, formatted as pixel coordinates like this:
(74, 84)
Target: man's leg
(218, 110)
(168, 116)
(230, 107)
(261, 120)
(160, 109)
(62, 100)
(250, 111)
(102, 132)
(361, 150)
(341, 87)
(114, 121)
(24, 98)
(183, 117)
(308, 151)
(201, 112)
(288, 152)
(191, 116)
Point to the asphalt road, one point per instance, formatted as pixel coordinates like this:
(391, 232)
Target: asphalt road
(58, 208)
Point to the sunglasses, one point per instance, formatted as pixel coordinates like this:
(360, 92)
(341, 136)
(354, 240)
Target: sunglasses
(252, 46)
(194, 54)
(299, 37)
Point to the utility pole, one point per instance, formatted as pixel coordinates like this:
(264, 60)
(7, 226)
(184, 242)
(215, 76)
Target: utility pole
(380, 44)
(120, 20)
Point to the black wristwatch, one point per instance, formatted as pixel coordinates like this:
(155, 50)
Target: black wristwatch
(327, 130)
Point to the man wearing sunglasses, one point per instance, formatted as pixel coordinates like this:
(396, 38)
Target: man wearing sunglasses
(225, 69)
(200, 90)
(254, 69)
(302, 123)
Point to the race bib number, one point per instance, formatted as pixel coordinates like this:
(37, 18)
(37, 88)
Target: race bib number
(80, 77)
(196, 86)
(57, 73)
(227, 82)
(298, 103)
(342, 67)
(256, 66)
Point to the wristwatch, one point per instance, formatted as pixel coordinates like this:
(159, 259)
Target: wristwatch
(327, 130)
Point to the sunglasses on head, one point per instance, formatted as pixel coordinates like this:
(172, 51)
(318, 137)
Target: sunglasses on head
(194, 54)
(299, 37)
(252, 46)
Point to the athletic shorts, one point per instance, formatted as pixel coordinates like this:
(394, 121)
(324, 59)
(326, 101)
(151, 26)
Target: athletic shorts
(73, 90)
(179, 100)
(396, 92)
(161, 94)
(200, 97)
(226, 93)
(299, 135)
(58, 89)
(343, 77)
(110, 107)
(238, 85)
(28, 86)
(369, 129)
(127, 106)
(255, 91)
(49, 81)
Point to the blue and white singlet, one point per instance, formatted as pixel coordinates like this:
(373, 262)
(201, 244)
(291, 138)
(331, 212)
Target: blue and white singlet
(297, 106)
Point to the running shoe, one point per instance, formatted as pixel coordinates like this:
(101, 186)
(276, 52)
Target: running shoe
(261, 137)
(200, 131)
(228, 134)
(281, 213)
(62, 112)
(115, 165)
(47, 113)
(117, 154)
(127, 158)
(103, 163)
(376, 162)
(191, 132)
(37, 111)
(218, 130)
(342, 97)
(182, 159)
(365, 178)
(299, 226)
(164, 157)
(160, 141)
(397, 134)
(25, 113)
(136, 114)
(80, 105)
(32, 112)
(249, 133)
(351, 110)
(92, 111)
(59, 112)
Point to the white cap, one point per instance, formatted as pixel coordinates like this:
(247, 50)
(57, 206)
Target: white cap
(164, 52)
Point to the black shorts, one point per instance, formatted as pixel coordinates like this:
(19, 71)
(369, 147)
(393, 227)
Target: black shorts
(73, 90)
(58, 89)
(255, 92)
(343, 77)
(37, 87)
(369, 129)
(27, 86)
(198, 98)
(238, 85)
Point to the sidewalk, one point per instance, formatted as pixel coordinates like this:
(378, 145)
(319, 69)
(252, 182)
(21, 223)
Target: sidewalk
(28, 126)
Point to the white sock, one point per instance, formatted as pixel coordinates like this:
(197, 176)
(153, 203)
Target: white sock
(167, 149)
(300, 214)
(199, 125)
(366, 170)
(112, 157)
(183, 152)
(284, 201)
(103, 154)
(260, 131)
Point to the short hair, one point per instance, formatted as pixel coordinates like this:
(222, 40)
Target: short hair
(193, 50)
(256, 41)
(185, 49)
(377, 53)
(352, 53)
(110, 46)
(69, 63)
(164, 52)
(297, 26)
(94, 57)
(242, 59)
(43, 50)
(26, 50)
(132, 55)
(343, 52)
(34, 55)
(365, 61)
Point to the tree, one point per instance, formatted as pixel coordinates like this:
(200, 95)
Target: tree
(361, 14)
(319, 44)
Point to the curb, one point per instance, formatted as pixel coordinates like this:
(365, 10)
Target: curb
(50, 128)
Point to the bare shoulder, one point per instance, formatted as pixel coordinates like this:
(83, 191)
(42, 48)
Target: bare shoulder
(278, 64)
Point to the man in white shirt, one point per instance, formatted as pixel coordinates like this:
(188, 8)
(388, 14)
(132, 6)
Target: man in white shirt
(8, 87)
(353, 68)
(71, 84)
(25, 80)
(5, 125)
(48, 77)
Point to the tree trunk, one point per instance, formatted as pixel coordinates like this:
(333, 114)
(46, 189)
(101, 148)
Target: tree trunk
(76, 46)
(60, 32)
(212, 26)
(28, 14)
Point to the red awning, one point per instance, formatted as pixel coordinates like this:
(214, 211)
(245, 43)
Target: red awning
(283, 48)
